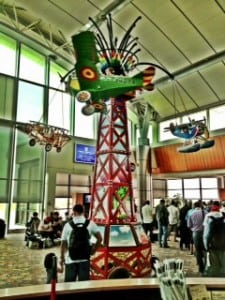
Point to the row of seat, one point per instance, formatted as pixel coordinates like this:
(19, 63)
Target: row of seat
(37, 241)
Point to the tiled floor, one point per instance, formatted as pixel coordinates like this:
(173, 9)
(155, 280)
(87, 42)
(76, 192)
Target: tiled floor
(21, 266)
(190, 267)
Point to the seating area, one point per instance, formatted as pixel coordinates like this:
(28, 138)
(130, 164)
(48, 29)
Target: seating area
(37, 241)
(45, 233)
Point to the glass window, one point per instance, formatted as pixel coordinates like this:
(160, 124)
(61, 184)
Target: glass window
(209, 183)
(150, 134)
(4, 190)
(172, 193)
(62, 192)
(5, 150)
(164, 132)
(63, 204)
(174, 187)
(137, 135)
(30, 102)
(54, 78)
(156, 201)
(59, 109)
(210, 194)
(27, 191)
(5, 155)
(62, 179)
(216, 117)
(7, 90)
(192, 194)
(7, 55)
(3, 210)
(28, 173)
(174, 184)
(191, 183)
(32, 65)
(21, 213)
(80, 130)
(196, 116)
(157, 193)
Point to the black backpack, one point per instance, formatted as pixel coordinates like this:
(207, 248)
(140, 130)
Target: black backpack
(216, 239)
(79, 246)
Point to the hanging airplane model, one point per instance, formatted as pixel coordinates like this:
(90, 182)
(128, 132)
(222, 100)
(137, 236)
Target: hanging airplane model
(93, 85)
(195, 133)
(47, 135)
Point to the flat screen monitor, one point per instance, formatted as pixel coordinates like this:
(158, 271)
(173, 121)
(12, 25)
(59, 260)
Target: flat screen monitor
(84, 154)
(87, 198)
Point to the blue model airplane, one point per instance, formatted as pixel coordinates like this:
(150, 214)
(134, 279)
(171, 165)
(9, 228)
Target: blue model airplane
(195, 134)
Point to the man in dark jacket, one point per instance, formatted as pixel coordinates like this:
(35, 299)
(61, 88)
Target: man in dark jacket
(162, 217)
(185, 232)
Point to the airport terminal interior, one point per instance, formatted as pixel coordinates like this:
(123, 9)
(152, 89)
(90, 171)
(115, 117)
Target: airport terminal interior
(107, 104)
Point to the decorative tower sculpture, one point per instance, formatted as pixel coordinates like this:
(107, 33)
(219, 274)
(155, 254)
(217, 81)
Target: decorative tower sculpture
(104, 86)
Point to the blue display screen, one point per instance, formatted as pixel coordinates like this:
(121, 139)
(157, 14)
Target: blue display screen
(85, 154)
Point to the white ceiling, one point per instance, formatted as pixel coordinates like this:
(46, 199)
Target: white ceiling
(185, 37)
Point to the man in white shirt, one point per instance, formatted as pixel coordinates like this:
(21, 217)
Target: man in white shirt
(80, 268)
(147, 219)
(173, 219)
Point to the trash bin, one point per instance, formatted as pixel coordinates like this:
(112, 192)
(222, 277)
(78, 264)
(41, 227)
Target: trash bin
(2, 228)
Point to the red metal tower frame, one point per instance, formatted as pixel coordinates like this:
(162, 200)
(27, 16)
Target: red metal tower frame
(112, 198)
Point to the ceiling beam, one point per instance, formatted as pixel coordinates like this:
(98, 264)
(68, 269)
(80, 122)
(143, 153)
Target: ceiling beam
(198, 66)
(110, 9)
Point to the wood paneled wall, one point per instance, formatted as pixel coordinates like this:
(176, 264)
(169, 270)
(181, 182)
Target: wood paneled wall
(169, 160)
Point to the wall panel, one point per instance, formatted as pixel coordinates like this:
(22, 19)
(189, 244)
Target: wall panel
(169, 160)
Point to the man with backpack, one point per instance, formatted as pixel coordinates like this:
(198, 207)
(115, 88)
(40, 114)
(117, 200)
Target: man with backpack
(214, 240)
(76, 248)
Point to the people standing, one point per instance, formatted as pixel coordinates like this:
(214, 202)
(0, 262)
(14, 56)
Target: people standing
(173, 219)
(185, 232)
(162, 217)
(195, 223)
(190, 211)
(147, 219)
(78, 269)
(214, 240)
